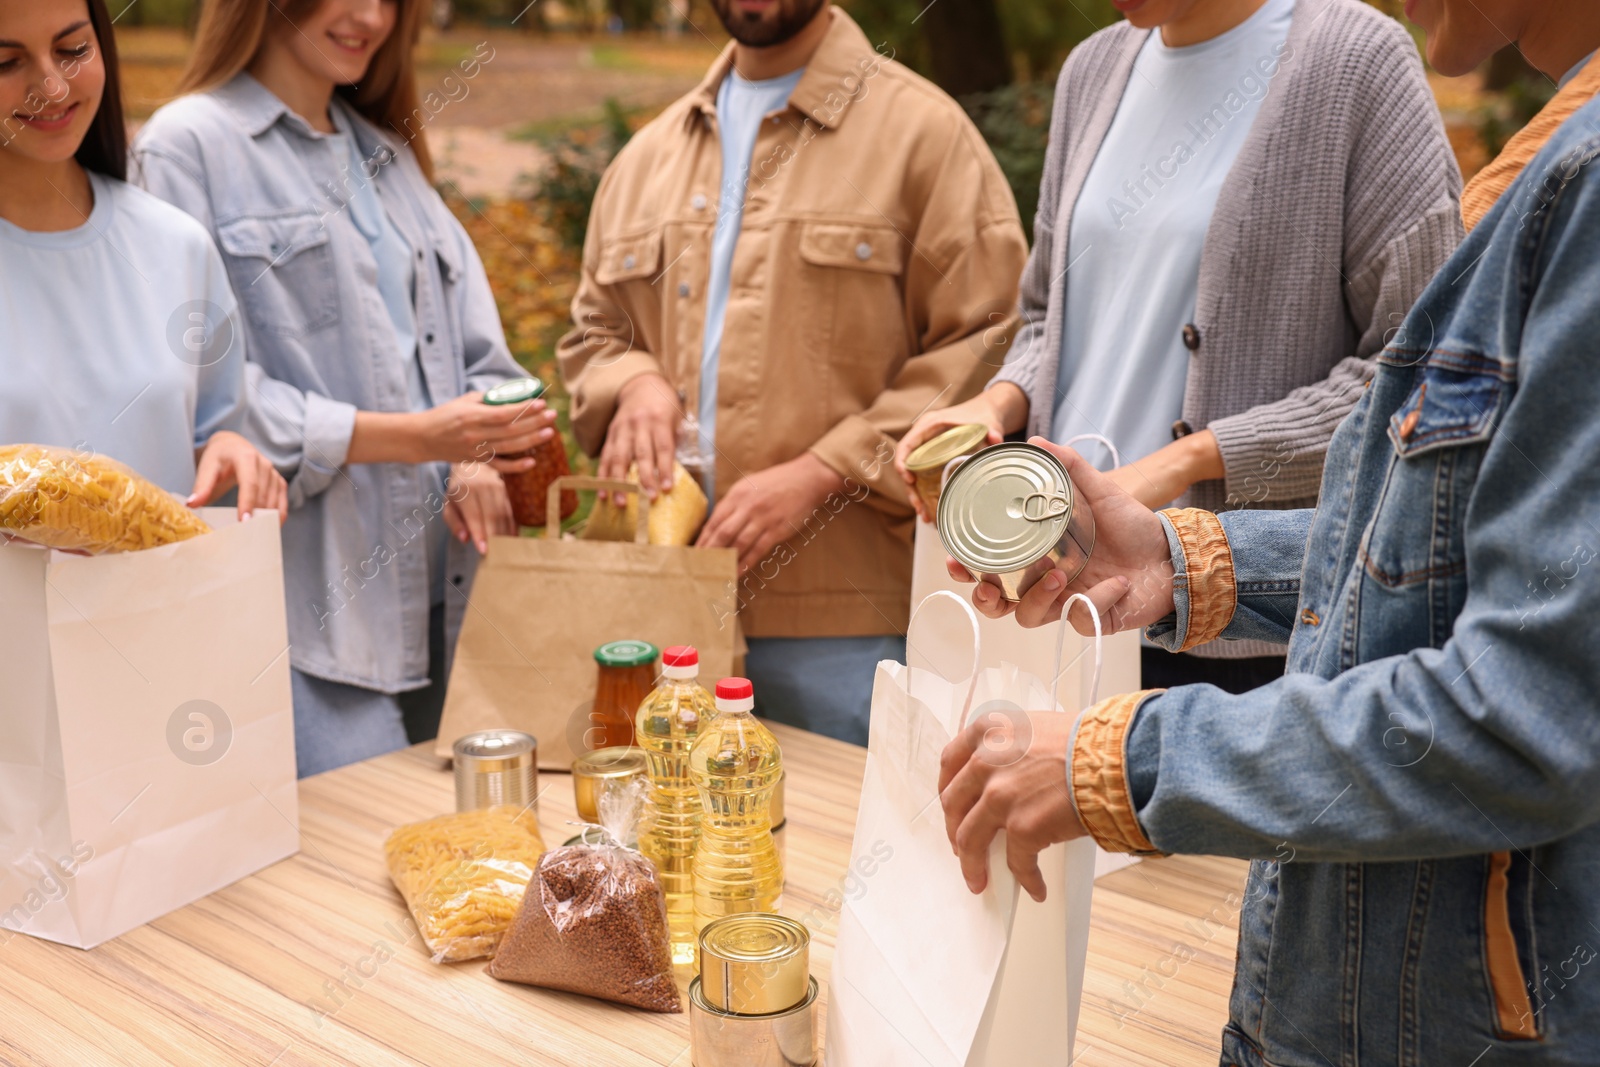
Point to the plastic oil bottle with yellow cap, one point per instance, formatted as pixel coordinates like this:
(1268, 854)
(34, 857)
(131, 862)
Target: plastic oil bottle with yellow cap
(669, 723)
(735, 763)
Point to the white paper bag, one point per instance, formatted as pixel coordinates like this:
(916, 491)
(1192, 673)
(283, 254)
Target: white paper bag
(924, 971)
(146, 730)
(1034, 650)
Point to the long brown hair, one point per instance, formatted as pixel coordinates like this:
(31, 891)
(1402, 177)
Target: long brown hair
(105, 145)
(230, 34)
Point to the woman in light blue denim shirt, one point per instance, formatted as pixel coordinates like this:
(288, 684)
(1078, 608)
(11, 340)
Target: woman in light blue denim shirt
(372, 333)
(1419, 792)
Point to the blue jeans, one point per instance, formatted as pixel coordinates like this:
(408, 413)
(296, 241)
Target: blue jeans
(821, 684)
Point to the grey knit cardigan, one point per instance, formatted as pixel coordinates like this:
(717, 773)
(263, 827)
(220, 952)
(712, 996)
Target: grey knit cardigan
(1342, 203)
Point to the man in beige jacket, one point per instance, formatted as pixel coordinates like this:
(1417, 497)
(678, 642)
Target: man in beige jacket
(807, 251)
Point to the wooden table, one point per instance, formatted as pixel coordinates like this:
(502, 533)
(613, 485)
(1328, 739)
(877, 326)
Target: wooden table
(315, 961)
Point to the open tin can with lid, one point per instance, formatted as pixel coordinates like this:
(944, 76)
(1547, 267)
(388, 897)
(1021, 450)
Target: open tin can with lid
(1010, 515)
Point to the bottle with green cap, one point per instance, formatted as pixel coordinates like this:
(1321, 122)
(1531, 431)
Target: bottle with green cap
(529, 490)
(626, 674)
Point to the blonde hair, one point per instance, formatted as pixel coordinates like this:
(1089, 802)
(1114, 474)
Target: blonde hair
(230, 35)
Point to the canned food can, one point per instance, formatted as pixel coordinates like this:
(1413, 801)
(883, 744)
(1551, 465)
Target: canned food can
(754, 964)
(1010, 515)
(728, 1039)
(929, 460)
(594, 772)
(496, 767)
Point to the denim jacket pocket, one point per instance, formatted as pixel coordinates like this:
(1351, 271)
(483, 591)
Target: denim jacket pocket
(1448, 407)
(283, 270)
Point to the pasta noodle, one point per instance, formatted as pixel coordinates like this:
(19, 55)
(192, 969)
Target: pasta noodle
(61, 499)
(463, 876)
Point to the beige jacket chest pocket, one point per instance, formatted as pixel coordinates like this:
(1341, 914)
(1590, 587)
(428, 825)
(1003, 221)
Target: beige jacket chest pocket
(282, 269)
(855, 273)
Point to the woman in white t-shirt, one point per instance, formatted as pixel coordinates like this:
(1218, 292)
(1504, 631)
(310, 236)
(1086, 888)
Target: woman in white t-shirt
(118, 322)
(1241, 200)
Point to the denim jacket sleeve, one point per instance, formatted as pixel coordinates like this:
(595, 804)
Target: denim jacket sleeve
(1265, 549)
(305, 435)
(1502, 712)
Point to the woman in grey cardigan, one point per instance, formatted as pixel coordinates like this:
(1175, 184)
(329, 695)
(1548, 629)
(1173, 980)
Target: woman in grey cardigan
(370, 331)
(1237, 210)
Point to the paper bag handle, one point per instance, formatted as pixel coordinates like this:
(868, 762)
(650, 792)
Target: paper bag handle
(977, 651)
(552, 530)
(1061, 642)
(1116, 456)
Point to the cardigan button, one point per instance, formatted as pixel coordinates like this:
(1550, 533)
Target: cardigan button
(427, 338)
(1181, 428)
(1191, 337)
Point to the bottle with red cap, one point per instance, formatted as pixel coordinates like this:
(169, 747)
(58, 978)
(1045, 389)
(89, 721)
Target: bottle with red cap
(668, 724)
(735, 764)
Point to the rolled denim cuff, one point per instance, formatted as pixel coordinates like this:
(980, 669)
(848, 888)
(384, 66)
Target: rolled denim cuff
(1204, 590)
(1099, 778)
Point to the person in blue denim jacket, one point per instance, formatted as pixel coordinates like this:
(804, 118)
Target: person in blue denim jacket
(371, 332)
(1418, 792)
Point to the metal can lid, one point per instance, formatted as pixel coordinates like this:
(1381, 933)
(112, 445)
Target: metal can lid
(1005, 508)
(618, 761)
(514, 391)
(626, 654)
(495, 750)
(953, 443)
(755, 964)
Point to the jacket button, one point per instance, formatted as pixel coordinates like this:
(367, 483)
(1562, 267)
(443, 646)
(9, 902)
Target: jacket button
(1191, 337)
(683, 288)
(863, 251)
(427, 338)
(1310, 618)
(1181, 429)
(698, 202)
(628, 262)
(1408, 425)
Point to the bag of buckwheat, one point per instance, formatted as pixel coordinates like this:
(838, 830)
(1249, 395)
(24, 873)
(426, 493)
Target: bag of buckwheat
(594, 921)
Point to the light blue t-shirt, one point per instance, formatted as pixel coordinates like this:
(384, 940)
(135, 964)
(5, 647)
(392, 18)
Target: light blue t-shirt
(397, 289)
(1139, 226)
(121, 337)
(741, 105)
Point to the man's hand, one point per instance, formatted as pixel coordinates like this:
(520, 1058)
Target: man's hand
(1168, 472)
(644, 431)
(476, 506)
(1008, 772)
(228, 460)
(770, 506)
(1129, 573)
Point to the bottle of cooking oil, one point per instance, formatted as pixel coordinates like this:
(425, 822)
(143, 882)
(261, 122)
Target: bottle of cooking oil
(669, 722)
(735, 763)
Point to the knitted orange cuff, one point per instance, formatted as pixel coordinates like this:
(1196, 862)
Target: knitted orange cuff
(1099, 775)
(1208, 562)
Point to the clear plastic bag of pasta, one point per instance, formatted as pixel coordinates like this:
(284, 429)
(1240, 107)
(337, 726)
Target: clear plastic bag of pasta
(63, 499)
(463, 876)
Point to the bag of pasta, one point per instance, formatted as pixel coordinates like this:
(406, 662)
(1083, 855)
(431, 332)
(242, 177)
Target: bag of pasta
(463, 876)
(594, 920)
(59, 498)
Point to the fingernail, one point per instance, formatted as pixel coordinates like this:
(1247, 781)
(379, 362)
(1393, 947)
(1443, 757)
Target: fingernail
(1053, 581)
(246, 516)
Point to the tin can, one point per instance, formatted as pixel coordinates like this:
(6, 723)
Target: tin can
(1010, 515)
(754, 964)
(496, 767)
(595, 771)
(929, 460)
(727, 1039)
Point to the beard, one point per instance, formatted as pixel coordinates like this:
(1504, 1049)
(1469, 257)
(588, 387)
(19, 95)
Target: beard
(756, 31)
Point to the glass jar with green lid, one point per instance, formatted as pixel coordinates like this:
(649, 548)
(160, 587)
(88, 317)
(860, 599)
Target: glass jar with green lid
(528, 490)
(626, 675)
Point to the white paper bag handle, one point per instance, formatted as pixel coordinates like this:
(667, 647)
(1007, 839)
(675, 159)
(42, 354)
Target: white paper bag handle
(977, 650)
(1061, 643)
(1116, 457)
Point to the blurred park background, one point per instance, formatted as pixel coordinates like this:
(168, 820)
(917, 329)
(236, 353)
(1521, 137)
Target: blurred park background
(561, 85)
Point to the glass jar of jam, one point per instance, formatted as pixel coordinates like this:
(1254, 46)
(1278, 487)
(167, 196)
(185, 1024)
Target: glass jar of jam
(529, 490)
(627, 674)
